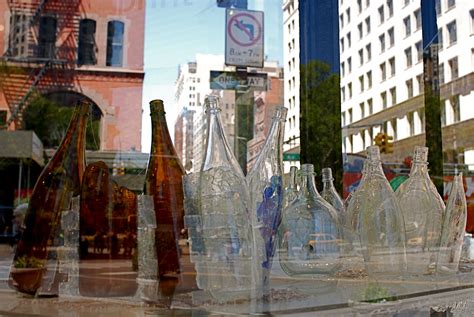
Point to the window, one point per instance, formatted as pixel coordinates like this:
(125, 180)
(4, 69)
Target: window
(341, 20)
(419, 51)
(454, 101)
(348, 14)
(417, 15)
(350, 115)
(342, 45)
(86, 48)
(359, 5)
(349, 39)
(381, 15)
(393, 95)
(421, 83)
(408, 57)
(438, 7)
(390, 8)
(368, 49)
(349, 87)
(361, 57)
(361, 83)
(382, 42)
(343, 71)
(343, 118)
(349, 64)
(393, 123)
(409, 84)
(406, 2)
(383, 98)
(359, 27)
(343, 94)
(369, 79)
(367, 24)
(391, 62)
(453, 66)
(472, 21)
(407, 24)
(411, 122)
(115, 31)
(391, 37)
(367, 3)
(452, 33)
(441, 73)
(383, 71)
(370, 106)
(362, 110)
(440, 38)
(47, 37)
(451, 4)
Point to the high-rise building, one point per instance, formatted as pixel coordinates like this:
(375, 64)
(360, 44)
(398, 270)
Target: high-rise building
(382, 77)
(291, 82)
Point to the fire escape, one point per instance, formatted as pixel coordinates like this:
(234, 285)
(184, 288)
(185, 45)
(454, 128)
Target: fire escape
(41, 55)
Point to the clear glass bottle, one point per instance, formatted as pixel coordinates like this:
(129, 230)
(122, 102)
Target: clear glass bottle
(423, 213)
(291, 191)
(265, 182)
(310, 233)
(375, 215)
(330, 194)
(226, 269)
(59, 181)
(453, 228)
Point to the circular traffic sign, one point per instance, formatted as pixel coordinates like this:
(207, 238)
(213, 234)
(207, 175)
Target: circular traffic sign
(244, 29)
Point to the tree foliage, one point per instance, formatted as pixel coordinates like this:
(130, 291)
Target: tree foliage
(320, 106)
(50, 120)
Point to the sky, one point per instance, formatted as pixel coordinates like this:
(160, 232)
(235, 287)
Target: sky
(176, 30)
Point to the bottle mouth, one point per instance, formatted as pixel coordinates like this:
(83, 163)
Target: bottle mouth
(421, 154)
(280, 113)
(212, 103)
(307, 169)
(327, 174)
(157, 105)
(373, 153)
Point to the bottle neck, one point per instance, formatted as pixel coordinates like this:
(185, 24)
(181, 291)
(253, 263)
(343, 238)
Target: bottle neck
(308, 185)
(218, 152)
(292, 184)
(372, 168)
(328, 184)
(419, 167)
(161, 143)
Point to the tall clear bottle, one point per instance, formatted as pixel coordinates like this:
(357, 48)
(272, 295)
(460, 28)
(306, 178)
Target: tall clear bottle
(310, 233)
(291, 191)
(423, 212)
(265, 182)
(226, 267)
(164, 182)
(330, 194)
(453, 228)
(59, 181)
(378, 221)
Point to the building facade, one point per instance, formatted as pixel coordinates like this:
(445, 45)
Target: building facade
(382, 81)
(81, 48)
(291, 82)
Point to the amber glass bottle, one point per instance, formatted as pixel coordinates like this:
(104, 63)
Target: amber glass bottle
(107, 235)
(58, 182)
(164, 182)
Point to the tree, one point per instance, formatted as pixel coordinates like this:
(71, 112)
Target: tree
(320, 113)
(50, 120)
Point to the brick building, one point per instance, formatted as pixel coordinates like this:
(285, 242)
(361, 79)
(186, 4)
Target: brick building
(73, 49)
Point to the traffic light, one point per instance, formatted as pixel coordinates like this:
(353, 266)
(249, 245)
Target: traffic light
(384, 142)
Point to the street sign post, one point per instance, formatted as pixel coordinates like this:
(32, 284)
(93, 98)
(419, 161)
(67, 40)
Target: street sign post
(244, 38)
(234, 80)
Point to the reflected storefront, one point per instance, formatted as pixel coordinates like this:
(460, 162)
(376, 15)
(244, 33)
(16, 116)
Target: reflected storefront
(236, 157)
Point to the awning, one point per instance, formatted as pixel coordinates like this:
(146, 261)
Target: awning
(21, 145)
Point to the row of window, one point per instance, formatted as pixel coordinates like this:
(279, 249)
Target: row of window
(87, 48)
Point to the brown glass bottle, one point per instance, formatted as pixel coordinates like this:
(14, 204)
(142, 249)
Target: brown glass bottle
(107, 235)
(164, 182)
(58, 182)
